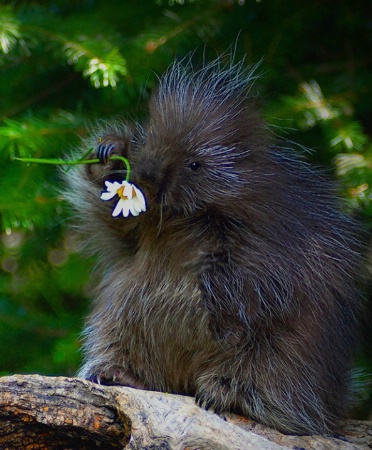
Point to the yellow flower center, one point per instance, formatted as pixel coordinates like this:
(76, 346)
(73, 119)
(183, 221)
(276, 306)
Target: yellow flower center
(120, 193)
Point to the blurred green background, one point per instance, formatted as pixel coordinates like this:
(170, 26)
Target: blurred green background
(65, 64)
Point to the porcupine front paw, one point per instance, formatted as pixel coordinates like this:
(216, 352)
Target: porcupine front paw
(102, 151)
(103, 147)
(216, 394)
(115, 376)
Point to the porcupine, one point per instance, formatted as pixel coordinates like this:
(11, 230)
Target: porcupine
(237, 285)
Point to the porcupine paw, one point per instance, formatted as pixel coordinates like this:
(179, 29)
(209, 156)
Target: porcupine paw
(104, 150)
(111, 142)
(116, 376)
(216, 395)
(104, 147)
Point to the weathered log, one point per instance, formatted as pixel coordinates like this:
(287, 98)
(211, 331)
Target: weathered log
(38, 412)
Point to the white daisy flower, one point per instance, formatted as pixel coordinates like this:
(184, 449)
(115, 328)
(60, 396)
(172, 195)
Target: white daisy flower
(131, 199)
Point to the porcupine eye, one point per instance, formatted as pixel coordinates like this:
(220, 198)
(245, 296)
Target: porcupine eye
(195, 166)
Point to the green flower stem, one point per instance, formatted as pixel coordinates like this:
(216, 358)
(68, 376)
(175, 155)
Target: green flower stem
(58, 161)
(77, 161)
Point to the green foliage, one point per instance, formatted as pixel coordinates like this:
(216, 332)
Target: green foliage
(345, 145)
(65, 64)
(9, 30)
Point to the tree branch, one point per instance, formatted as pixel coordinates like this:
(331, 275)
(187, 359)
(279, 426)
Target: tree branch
(69, 413)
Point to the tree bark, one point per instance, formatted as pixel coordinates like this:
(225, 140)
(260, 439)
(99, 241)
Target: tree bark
(38, 412)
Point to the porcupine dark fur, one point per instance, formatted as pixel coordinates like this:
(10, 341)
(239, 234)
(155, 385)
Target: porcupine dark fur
(237, 285)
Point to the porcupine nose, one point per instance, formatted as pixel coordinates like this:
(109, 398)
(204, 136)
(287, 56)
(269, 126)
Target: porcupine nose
(146, 177)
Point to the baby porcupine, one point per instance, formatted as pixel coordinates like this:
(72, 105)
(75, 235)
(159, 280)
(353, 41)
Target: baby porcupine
(237, 285)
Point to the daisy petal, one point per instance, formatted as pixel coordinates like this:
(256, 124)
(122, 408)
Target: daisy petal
(126, 208)
(112, 186)
(107, 195)
(128, 190)
(141, 198)
(134, 210)
(118, 208)
(137, 206)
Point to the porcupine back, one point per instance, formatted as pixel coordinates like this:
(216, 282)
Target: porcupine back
(238, 283)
